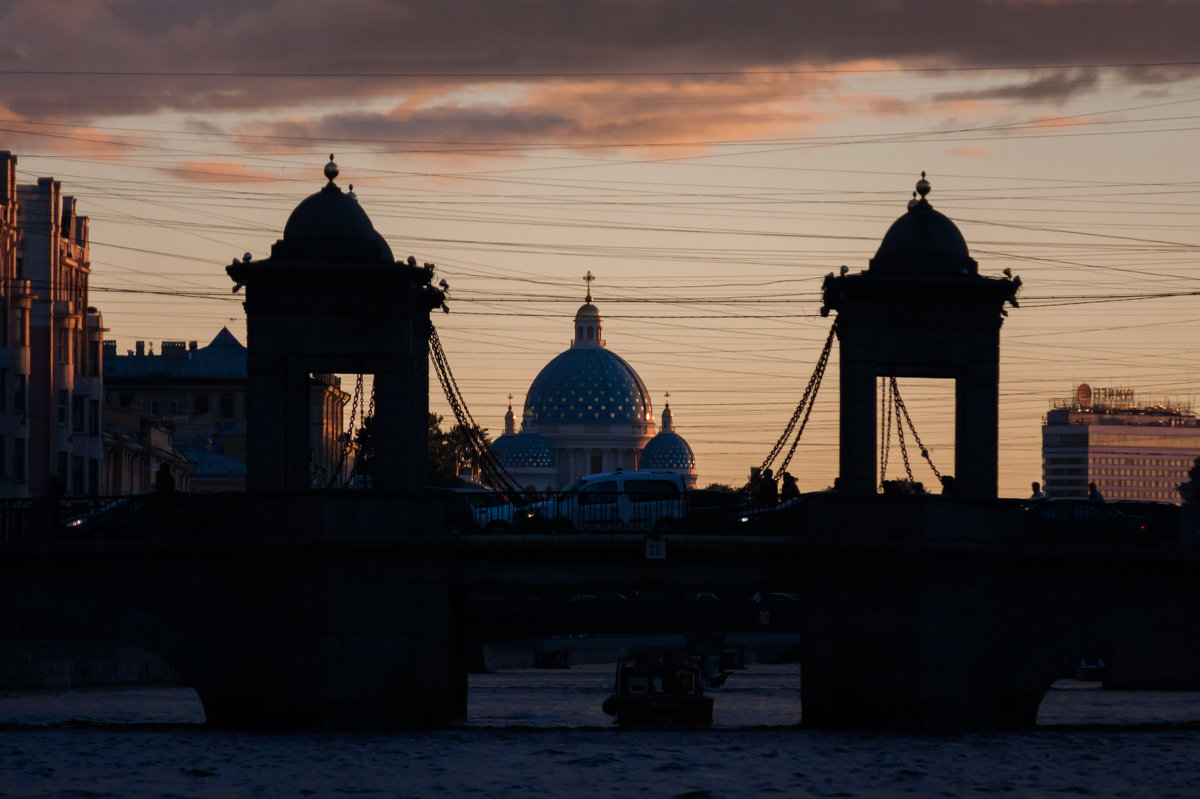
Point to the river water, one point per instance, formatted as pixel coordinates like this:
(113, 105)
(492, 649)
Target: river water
(542, 733)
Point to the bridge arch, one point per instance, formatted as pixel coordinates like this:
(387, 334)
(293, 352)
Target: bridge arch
(50, 607)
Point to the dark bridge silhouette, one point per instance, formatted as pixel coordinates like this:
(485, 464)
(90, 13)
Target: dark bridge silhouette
(353, 609)
(916, 612)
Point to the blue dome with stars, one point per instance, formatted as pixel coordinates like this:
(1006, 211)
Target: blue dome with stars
(523, 451)
(668, 450)
(587, 384)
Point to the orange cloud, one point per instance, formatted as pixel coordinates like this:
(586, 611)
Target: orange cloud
(971, 152)
(50, 136)
(219, 172)
(1048, 121)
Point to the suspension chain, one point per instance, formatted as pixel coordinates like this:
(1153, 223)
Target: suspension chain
(912, 428)
(347, 439)
(903, 444)
(490, 467)
(801, 414)
(885, 424)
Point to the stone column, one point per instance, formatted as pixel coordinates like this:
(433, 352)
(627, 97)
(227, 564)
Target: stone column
(858, 408)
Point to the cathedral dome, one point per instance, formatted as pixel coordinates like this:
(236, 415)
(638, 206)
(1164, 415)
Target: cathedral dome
(923, 241)
(588, 385)
(668, 450)
(331, 226)
(523, 451)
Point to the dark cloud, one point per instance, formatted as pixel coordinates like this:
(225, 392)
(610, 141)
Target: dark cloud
(1056, 86)
(227, 55)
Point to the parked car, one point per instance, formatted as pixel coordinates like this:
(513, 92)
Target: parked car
(1081, 521)
(149, 515)
(709, 510)
(1162, 519)
(638, 499)
(786, 518)
(492, 510)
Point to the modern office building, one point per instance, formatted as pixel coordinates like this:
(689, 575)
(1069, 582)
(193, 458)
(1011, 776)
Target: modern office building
(1129, 450)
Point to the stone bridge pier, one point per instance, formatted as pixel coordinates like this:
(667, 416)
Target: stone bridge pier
(289, 627)
(934, 614)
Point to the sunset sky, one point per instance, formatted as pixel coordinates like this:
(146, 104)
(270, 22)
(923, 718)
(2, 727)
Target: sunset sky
(709, 162)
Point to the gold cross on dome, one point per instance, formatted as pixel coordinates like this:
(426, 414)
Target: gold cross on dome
(589, 278)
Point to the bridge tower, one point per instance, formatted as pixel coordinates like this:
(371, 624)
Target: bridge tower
(326, 631)
(921, 310)
(330, 299)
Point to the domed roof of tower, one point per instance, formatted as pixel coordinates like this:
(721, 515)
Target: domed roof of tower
(588, 384)
(587, 311)
(331, 226)
(523, 450)
(923, 241)
(668, 449)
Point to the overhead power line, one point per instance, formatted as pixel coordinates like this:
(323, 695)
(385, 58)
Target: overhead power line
(133, 73)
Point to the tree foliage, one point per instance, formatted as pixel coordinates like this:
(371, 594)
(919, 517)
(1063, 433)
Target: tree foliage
(903, 487)
(449, 450)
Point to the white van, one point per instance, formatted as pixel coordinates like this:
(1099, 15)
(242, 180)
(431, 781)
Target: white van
(638, 499)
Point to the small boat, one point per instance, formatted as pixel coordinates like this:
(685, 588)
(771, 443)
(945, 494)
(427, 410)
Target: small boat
(659, 689)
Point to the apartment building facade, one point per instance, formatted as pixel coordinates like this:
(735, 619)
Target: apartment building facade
(50, 343)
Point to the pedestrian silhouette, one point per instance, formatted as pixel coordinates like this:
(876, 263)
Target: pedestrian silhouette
(1037, 490)
(164, 483)
(765, 491)
(790, 489)
(1094, 493)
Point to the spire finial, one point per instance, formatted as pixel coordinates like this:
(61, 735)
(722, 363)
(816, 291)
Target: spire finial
(331, 169)
(923, 185)
(589, 278)
(510, 402)
(668, 398)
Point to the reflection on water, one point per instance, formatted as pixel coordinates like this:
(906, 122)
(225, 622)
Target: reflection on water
(755, 697)
(543, 733)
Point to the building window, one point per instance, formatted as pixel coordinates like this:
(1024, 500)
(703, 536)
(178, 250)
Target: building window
(63, 399)
(201, 403)
(19, 460)
(63, 462)
(64, 346)
(226, 405)
(94, 476)
(19, 396)
(126, 399)
(94, 417)
(153, 407)
(77, 405)
(93, 365)
(175, 407)
(77, 485)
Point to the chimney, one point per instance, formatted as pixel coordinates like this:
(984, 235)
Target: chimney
(141, 348)
(192, 346)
